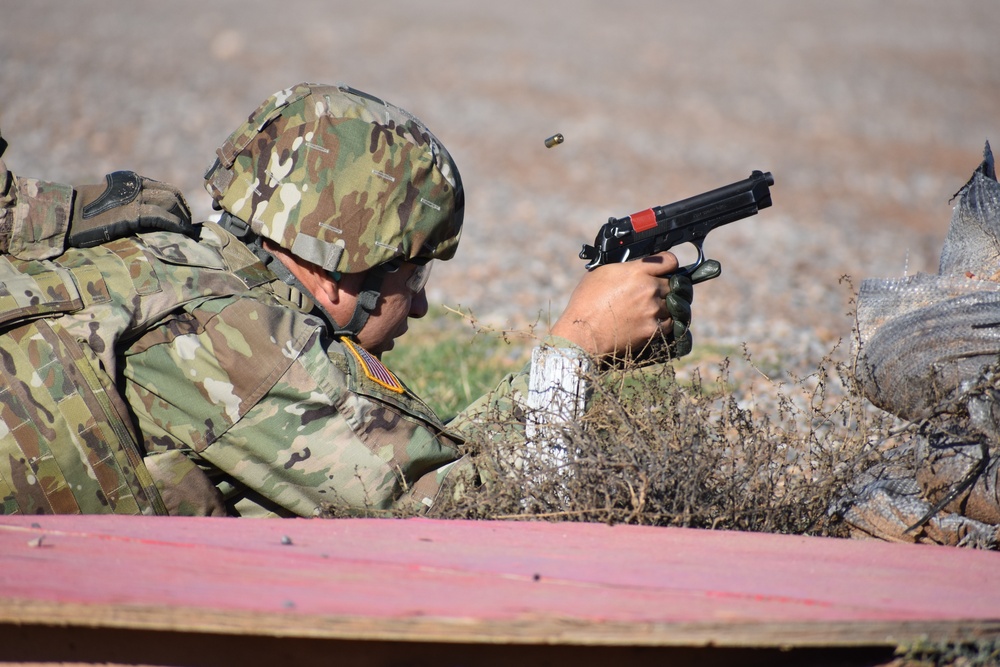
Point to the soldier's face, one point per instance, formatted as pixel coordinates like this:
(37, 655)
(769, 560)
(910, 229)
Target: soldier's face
(403, 296)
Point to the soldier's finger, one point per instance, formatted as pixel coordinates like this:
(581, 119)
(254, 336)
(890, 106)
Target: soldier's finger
(659, 264)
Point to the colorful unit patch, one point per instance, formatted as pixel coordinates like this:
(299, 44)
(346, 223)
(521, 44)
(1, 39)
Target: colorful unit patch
(374, 369)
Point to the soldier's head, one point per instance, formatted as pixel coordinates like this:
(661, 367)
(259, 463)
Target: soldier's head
(351, 187)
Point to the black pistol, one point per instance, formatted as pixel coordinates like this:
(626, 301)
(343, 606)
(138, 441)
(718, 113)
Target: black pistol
(687, 221)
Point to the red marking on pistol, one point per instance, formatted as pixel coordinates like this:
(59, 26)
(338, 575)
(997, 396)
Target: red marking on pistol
(643, 220)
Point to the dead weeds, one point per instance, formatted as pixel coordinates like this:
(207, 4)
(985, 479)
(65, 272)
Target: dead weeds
(654, 450)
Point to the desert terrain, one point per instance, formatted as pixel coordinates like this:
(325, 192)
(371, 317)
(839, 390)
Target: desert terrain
(869, 115)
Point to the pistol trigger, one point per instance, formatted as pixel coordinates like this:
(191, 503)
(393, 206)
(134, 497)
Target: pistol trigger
(691, 268)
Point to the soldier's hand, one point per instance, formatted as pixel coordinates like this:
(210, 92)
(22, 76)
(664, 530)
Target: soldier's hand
(617, 308)
(629, 310)
(126, 204)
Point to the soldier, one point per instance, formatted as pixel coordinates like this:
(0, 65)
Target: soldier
(233, 368)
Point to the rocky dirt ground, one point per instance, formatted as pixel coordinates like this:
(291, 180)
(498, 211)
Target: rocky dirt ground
(869, 115)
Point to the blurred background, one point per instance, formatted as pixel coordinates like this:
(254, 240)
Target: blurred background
(870, 115)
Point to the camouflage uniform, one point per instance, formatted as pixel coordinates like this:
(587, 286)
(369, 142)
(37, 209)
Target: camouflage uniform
(66, 442)
(250, 387)
(237, 399)
(231, 370)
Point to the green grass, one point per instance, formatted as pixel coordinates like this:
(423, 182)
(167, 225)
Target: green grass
(449, 361)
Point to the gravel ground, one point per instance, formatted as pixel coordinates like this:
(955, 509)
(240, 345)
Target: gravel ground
(869, 115)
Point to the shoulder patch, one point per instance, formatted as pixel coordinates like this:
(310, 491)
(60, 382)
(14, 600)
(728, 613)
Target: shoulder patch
(374, 369)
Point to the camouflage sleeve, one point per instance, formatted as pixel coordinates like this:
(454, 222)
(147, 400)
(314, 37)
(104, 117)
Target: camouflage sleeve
(34, 216)
(288, 424)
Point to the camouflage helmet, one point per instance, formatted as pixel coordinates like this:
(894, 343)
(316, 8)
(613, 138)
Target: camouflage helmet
(340, 179)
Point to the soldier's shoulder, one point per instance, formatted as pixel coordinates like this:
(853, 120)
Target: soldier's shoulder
(366, 375)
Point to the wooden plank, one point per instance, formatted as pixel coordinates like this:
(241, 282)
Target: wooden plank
(488, 582)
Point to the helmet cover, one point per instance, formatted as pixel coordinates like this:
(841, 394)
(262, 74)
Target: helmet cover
(341, 179)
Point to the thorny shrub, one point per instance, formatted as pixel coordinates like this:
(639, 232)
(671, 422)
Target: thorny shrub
(657, 451)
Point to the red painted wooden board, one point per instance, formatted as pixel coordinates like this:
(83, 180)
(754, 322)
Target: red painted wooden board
(519, 582)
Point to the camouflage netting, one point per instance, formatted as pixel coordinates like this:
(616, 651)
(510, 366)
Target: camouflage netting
(929, 349)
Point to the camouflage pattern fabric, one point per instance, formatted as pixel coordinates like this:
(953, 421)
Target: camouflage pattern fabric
(243, 404)
(284, 419)
(34, 216)
(66, 442)
(238, 402)
(341, 179)
(222, 365)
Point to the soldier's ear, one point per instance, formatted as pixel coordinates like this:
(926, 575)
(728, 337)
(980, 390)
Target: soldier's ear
(316, 279)
(347, 285)
(330, 287)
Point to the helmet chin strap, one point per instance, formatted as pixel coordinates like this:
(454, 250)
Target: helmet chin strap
(371, 288)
